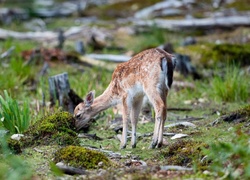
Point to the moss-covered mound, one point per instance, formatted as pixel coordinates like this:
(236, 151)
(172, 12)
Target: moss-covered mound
(213, 54)
(81, 157)
(240, 115)
(57, 128)
(184, 153)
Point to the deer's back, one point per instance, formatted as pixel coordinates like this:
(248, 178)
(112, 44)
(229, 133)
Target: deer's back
(141, 70)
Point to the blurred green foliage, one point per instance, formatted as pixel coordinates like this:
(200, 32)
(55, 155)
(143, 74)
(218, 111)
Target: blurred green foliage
(230, 160)
(12, 166)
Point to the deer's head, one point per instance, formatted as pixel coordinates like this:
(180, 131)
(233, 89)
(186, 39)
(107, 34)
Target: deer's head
(83, 111)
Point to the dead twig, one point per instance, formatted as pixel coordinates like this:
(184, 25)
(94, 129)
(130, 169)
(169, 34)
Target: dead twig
(191, 119)
(180, 109)
(7, 53)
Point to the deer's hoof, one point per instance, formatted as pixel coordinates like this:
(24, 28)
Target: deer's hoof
(133, 145)
(159, 145)
(153, 145)
(123, 146)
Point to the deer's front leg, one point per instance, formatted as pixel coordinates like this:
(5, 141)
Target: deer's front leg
(135, 111)
(125, 118)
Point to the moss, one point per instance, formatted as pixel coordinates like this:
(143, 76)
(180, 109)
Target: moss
(57, 128)
(81, 157)
(184, 153)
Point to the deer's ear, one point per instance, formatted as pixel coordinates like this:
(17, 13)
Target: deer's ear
(89, 98)
(174, 61)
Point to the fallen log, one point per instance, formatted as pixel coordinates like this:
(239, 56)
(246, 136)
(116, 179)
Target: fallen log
(186, 124)
(176, 168)
(109, 57)
(73, 33)
(205, 23)
(109, 66)
(70, 170)
(154, 10)
(46, 35)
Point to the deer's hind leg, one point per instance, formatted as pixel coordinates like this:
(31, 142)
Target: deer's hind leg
(158, 101)
(161, 128)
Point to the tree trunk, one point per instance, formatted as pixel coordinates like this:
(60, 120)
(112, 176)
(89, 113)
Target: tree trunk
(59, 91)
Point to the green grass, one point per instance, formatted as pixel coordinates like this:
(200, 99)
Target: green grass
(15, 75)
(14, 118)
(233, 86)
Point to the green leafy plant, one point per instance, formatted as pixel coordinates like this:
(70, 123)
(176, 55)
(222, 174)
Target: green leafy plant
(230, 160)
(234, 86)
(13, 118)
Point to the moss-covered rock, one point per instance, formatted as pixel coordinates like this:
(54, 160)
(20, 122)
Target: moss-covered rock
(212, 54)
(15, 146)
(81, 157)
(57, 128)
(184, 153)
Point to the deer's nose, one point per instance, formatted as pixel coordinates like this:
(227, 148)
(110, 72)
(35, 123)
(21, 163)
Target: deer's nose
(77, 116)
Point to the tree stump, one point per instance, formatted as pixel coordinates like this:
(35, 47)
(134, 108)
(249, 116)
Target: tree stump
(60, 92)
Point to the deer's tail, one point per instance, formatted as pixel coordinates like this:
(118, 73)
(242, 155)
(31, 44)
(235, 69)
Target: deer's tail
(168, 70)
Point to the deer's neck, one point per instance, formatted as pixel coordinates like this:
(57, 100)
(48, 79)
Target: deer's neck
(104, 101)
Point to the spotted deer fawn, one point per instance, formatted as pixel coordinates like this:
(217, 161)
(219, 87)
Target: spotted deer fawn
(148, 73)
